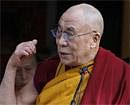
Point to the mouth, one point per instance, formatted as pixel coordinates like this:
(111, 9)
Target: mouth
(63, 53)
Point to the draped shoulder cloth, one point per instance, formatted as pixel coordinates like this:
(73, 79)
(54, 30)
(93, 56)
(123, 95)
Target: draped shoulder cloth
(108, 84)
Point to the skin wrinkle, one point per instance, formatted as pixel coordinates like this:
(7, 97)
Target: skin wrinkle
(17, 87)
(83, 48)
(78, 19)
(25, 72)
(91, 15)
(63, 23)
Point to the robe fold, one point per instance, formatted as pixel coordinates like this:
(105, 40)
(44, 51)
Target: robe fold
(108, 84)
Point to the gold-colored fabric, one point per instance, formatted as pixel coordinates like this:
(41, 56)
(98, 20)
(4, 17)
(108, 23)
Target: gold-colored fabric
(61, 89)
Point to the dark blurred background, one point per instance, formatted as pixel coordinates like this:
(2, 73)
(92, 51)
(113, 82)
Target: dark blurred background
(27, 20)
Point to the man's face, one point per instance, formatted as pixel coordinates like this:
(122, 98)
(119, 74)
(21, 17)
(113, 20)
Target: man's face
(25, 72)
(73, 52)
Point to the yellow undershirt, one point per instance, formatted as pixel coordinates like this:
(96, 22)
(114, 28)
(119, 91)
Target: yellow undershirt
(63, 88)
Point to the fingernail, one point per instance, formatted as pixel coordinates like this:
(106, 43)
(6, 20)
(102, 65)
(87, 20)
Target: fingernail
(34, 41)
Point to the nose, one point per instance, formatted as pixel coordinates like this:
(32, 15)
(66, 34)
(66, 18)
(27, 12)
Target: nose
(61, 41)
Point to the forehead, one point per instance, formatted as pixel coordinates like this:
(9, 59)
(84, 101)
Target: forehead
(72, 19)
(28, 61)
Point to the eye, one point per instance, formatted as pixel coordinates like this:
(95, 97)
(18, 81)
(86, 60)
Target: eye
(70, 31)
(27, 68)
(70, 34)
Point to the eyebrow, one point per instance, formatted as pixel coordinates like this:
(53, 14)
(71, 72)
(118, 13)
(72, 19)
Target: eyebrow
(71, 29)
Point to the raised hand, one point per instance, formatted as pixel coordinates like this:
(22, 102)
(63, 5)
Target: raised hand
(8, 86)
(22, 51)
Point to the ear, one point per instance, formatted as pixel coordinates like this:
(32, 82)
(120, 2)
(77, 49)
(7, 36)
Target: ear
(95, 40)
(96, 37)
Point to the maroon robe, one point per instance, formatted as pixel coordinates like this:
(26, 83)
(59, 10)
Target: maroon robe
(108, 84)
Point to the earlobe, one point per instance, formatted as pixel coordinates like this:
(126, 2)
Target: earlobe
(93, 45)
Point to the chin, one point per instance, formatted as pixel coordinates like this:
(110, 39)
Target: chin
(65, 61)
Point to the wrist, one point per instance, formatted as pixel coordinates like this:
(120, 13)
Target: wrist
(11, 67)
(13, 61)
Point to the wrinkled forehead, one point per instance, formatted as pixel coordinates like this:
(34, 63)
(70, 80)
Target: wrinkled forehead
(72, 19)
(30, 60)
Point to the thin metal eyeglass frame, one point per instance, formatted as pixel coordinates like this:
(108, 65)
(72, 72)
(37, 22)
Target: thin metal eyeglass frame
(70, 37)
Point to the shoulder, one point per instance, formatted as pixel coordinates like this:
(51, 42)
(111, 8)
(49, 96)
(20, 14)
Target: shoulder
(108, 57)
(107, 62)
(113, 70)
(112, 79)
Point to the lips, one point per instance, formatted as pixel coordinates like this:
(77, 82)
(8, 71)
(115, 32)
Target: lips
(63, 53)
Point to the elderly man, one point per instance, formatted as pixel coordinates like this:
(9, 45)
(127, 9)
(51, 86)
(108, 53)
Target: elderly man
(83, 73)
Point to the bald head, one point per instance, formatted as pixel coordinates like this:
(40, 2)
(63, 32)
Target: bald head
(90, 15)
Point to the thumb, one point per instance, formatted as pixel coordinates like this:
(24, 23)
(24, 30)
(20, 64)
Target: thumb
(34, 41)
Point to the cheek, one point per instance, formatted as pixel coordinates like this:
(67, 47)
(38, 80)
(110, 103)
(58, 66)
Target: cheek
(19, 75)
(74, 49)
(81, 48)
(28, 74)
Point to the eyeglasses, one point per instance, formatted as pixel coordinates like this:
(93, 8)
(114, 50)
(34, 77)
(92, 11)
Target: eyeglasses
(67, 36)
